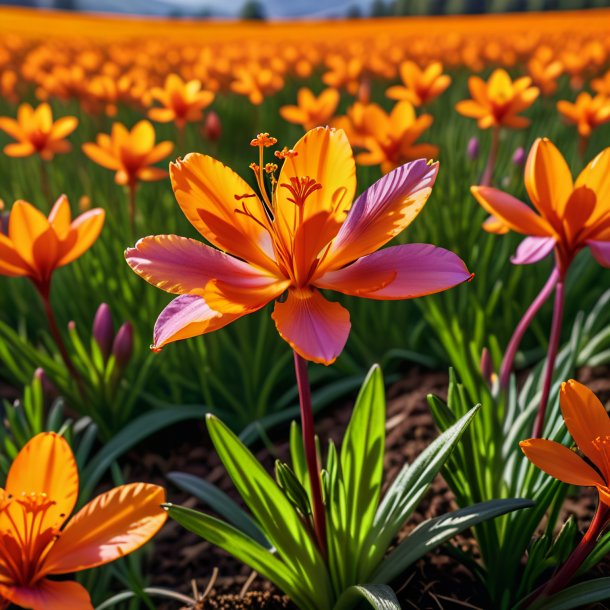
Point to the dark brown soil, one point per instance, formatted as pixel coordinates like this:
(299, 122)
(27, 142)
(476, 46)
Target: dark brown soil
(435, 582)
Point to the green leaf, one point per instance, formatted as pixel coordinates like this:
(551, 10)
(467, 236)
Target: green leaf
(380, 597)
(576, 596)
(405, 492)
(220, 502)
(362, 460)
(247, 550)
(274, 513)
(434, 532)
(139, 429)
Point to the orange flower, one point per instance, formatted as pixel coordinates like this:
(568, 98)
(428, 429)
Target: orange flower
(130, 153)
(41, 493)
(35, 245)
(588, 423)
(343, 73)
(420, 86)
(256, 82)
(572, 215)
(602, 84)
(36, 133)
(497, 102)
(311, 111)
(544, 72)
(181, 102)
(390, 139)
(586, 113)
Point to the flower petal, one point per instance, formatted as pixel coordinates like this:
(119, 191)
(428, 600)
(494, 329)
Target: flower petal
(112, 525)
(533, 249)
(84, 231)
(548, 179)
(49, 595)
(513, 213)
(214, 199)
(596, 176)
(46, 464)
(599, 249)
(315, 328)
(560, 462)
(185, 317)
(382, 212)
(60, 217)
(180, 265)
(11, 263)
(101, 156)
(586, 419)
(63, 127)
(399, 272)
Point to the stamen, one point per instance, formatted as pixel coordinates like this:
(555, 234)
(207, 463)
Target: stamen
(263, 139)
(286, 153)
(301, 189)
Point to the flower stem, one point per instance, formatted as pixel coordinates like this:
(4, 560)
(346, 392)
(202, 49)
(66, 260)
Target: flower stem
(551, 356)
(566, 572)
(44, 181)
(526, 320)
(132, 188)
(311, 457)
(487, 177)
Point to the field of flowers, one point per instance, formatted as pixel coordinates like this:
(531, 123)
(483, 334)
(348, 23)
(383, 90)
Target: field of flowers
(306, 205)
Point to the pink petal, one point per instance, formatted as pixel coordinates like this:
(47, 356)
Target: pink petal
(600, 251)
(180, 265)
(187, 316)
(384, 210)
(315, 328)
(399, 272)
(533, 249)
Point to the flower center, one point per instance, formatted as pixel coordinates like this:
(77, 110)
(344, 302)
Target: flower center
(301, 189)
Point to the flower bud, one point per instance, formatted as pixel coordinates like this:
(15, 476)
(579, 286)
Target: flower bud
(123, 345)
(473, 149)
(487, 367)
(103, 330)
(212, 129)
(45, 382)
(519, 156)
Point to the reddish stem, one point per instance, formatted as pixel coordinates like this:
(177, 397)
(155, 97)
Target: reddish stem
(526, 320)
(551, 357)
(311, 457)
(132, 187)
(487, 177)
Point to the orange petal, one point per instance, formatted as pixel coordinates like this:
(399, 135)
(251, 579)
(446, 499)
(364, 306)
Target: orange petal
(142, 138)
(560, 462)
(587, 420)
(101, 156)
(60, 217)
(209, 194)
(46, 464)
(21, 149)
(84, 231)
(12, 128)
(596, 176)
(471, 108)
(112, 525)
(11, 263)
(49, 595)
(548, 179)
(63, 127)
(27, 226)
(159, 152)
(513, 213)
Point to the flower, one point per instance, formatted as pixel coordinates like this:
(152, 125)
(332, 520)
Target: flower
(586, 113)
(37, 133)
(571, 215)
(36, 245)
(601, 85)
(256, 81)
(310, 110)
(390, 139)
(497, 102)
(420, 86)
(35, 541)
(304, 236)
(588, 423)
(181, 102)
(130, 153)
(544, 70)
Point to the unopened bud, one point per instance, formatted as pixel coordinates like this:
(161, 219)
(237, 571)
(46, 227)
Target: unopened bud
(123, 345)
(4, 216)
(212, 129)
(45, 382)
(103, 330)
(519, 156)
(473, 149)
(84, 203)
(487, 367)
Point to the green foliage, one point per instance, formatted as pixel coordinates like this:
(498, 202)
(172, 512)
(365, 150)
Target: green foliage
(360, 525)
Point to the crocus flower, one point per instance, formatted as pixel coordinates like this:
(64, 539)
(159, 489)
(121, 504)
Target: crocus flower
(587, 113)
(130, 153)
(420, 86)
(498, 102)
(311, 111)
(35, 540)
(304, 236)
(35, 245)
(181, 102)
(601, 85)
(35, 132)
(391, 138)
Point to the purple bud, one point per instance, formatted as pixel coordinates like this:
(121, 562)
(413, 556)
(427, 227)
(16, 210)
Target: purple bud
(473, 149)
(123, 345)
(212, 127)
(519, 156)
(103, 330)
(45, 382)
(487, 367)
